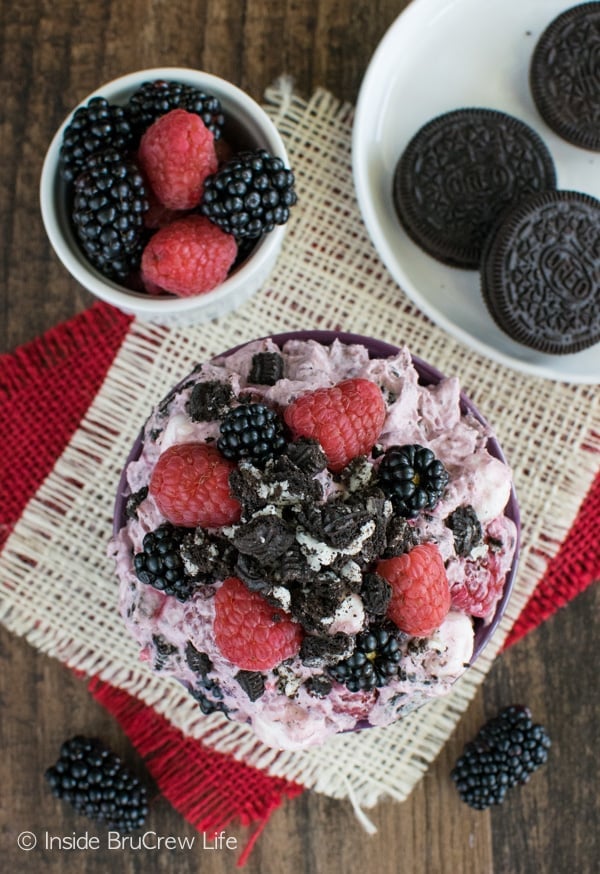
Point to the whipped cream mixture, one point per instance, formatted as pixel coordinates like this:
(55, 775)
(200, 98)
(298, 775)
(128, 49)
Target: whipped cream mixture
(299, 702)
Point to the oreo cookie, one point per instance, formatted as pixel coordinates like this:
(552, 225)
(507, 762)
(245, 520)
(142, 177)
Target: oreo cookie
(564, 75)
(459, 172)
(540, 273)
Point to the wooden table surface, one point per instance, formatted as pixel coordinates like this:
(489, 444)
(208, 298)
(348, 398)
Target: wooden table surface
(53, 54)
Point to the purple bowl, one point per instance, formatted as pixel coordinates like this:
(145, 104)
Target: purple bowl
(428, 375)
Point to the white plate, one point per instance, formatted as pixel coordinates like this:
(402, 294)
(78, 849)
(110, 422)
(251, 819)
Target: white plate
(441, 55)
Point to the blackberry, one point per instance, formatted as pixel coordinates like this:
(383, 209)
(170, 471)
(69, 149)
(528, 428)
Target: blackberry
(109, 203)
(161, 565)
(95, 782)
(413, 478)
(154, 99)
(504, 753)
(249, 195)
(251, 431)
(374, 662)
(97, 126)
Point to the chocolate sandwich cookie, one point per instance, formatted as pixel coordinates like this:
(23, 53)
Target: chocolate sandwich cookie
(540, 272)
(564, 75)
(459, 172)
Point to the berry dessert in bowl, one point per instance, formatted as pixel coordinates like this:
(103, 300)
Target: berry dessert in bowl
(166, 193)
(315, 533)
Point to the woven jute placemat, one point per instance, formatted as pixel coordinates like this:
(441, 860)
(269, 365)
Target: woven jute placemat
(57, 585)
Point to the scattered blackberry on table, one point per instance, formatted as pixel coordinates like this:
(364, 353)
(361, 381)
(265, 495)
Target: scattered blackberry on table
(504, 753)
(96, 783)
(249, 194)
(109, 203)
(160, 564)
(156, 98)
(251, 431)
(94, 127)
(375, 661)
(413, 478)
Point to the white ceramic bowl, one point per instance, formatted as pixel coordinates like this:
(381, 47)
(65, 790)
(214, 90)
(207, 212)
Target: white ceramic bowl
(251, 128)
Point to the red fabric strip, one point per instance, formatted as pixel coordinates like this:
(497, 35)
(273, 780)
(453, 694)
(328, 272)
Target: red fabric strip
(46, 386)
(575, 566)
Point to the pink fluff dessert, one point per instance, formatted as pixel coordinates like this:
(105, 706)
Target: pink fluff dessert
(314, 533)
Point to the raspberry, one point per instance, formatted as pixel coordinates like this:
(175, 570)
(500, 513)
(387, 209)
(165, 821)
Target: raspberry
(346, 419)
(190, 484)
(177, 153)
(420, 591)
(480, 586)
(189, 256)
(249, 632)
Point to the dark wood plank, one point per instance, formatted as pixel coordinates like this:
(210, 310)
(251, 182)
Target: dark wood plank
(51, 56)
(554, 819)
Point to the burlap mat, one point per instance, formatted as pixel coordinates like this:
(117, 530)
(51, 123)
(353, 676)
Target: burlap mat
(58, 587)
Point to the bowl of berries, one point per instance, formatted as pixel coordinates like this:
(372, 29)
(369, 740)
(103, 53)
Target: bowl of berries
(166, 193)
(315, 533)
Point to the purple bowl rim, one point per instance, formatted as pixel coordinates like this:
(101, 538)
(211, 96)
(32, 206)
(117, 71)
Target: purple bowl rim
(428, 375)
